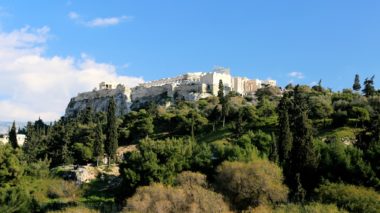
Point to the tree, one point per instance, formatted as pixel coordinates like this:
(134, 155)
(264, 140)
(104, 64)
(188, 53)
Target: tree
(251, 184)
(143, 124)
(111, 142)
(303, 159)
(214, 116)
(225, 108)
(350, 197)
(356, 86)
(98, 143)
(369, 89)
(220, 90)
(156, 161)
(158, 198)
(318, 87)
(284, 125)
(273, 155)
(13, 136)
(320, 107)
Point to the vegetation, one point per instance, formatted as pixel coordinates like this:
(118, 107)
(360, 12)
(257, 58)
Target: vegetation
(298, 150)
(349, 197)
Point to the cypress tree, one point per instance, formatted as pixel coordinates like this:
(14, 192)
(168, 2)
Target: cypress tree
(369, 89)
(30, 146)
(98, 143)
(356, 85)
(13, 136)
(273, 155)
(220, 90)
(111, 142)
(285, 135)
(303, 159)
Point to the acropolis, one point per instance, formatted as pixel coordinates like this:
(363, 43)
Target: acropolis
(189, 86)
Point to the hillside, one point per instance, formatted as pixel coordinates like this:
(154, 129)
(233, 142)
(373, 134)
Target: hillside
(306, 150)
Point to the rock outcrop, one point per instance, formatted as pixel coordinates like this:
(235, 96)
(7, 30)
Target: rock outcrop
(98, 100)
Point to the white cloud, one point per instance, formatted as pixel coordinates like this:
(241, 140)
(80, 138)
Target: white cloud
(102, 22)
(73, 15)
(296, 74)
(98, 22)
(34, 85)
(313, 83)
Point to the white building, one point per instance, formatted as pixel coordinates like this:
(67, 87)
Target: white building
(4, 139)
(212, 79)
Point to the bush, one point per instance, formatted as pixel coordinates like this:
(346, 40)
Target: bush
(310, 208)
(160, 198)
(14, 199)
(191, 179)
(352, 198)
(252, 184)
(76, 209)
(63, 189)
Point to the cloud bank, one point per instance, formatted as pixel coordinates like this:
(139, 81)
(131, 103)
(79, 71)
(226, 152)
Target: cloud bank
(98, 22)
(33, 85)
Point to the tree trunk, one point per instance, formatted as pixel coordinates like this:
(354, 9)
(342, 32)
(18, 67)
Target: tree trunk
(224, 120)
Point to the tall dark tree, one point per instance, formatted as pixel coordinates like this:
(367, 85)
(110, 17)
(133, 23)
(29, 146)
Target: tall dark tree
(318, 87)
(111, 142)
(356, 86)
(303, 159)
(214, 116)
(98, 143)
(220, 90)
(13, 136)
(369, 89)
(30, 146)
(273, 155)
(284, 125)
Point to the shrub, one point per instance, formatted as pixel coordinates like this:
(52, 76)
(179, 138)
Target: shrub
(309, 208)
(191, 179)
(251, 184)
(349, 197)
(159, 198)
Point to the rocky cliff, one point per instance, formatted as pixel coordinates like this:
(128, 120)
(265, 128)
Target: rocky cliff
(98, 100)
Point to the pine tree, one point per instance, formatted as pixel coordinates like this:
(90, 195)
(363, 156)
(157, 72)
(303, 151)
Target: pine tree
(111, 142)
(98, 143)
(356, 85)
(285, 135)
(369, 89)
(65, 152)
(13, 136)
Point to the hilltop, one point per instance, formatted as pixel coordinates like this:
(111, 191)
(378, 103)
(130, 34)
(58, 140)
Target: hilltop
(187, 87)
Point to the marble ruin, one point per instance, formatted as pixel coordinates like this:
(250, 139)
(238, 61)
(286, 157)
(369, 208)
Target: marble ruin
(189, 86)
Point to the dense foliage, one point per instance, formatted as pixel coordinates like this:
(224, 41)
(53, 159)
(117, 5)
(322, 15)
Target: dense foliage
(301, 149)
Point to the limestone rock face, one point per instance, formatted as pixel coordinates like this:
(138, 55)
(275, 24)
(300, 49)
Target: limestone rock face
(98, 100)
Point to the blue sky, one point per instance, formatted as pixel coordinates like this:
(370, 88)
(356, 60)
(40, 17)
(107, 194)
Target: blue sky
(289, 41)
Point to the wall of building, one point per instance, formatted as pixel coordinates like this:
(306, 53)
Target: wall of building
(4, 139)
